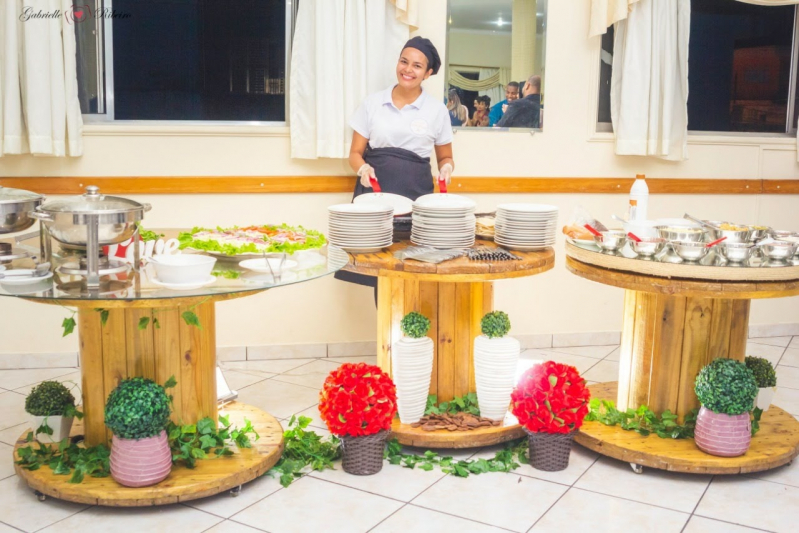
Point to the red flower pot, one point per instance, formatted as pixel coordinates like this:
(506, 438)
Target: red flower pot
(140, 463)
(721, 434)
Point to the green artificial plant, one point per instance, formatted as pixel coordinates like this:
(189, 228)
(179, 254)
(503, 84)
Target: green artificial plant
(761, 368)
(495, 325)
(415, 325)
(726, 386)
(138, 408)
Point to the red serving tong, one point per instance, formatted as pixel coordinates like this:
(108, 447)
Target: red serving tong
(442, 186)
(592, 230)
(714, 243)
(375, 185)
(633, 237)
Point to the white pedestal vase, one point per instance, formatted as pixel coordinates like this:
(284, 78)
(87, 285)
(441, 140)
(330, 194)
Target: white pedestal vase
(412, 368)
(764, 397)
(495, 363)
(61, 426)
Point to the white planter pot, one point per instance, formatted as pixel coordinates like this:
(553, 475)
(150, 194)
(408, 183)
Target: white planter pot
(61, 426)
(495, 363)
(764, 397)
(412, 368)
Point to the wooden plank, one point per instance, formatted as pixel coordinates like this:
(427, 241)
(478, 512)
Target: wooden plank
(208, 478)
(646, 320)
(384, 324)
(91, 363)
(166, 341)
(428, 305)
(115, 361)
(698, 315)
(776, 444)
(139, 344)
(739, 329)
(626, 355)
(412, 303)
(719, 342)
(409, 436)
(667, 353)
(462, 339)
(447, 363)
(338, 184)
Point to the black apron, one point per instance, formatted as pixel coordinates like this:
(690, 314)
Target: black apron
(399, 171)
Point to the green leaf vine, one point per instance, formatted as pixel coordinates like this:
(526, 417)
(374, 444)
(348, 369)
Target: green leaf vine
(460, 404)
(642, 420)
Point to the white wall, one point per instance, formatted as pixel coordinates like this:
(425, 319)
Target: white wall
(328, 311)
(479, 48)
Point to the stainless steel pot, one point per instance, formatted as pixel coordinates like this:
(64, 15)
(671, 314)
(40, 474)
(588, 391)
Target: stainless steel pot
(68, 219)
(16, 205)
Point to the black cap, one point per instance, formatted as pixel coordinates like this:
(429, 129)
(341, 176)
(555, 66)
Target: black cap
(427, 48)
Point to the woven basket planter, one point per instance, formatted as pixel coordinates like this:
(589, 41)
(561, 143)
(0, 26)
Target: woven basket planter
(549, 451)
(363, 456)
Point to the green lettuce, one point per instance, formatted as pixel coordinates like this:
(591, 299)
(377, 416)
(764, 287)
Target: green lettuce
(313, 239)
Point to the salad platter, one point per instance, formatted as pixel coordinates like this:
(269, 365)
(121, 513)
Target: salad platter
(238, 243)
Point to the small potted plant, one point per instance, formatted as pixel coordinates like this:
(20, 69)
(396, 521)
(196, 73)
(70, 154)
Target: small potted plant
(412, 367)
(137, 413)
(550, 402)
(358, 403)
(726, 389)
(52, 406)
(766, 379)
(496, 357)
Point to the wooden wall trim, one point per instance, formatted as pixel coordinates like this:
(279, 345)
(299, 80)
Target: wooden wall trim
(344, 184)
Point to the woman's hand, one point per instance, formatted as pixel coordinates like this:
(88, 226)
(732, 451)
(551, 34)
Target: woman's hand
(445, 173)
(366, 172)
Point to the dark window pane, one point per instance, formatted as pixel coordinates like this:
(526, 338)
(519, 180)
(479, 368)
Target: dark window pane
(605, 73)
(200, 60)
(739, 66)
(86, 36)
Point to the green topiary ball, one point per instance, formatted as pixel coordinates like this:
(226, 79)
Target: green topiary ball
(726, 386)
(495, 324)
(415, 325)
(49, 398)
(138, 408)
(761, 368)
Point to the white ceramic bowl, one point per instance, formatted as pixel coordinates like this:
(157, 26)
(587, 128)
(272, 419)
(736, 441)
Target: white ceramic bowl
(183, 268)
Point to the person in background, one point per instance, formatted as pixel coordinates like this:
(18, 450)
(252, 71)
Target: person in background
(525, 112)
(482, 105)
(498, 110)
(458, 113)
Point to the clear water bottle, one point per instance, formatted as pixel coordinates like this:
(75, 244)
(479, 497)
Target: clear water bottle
(639, 199)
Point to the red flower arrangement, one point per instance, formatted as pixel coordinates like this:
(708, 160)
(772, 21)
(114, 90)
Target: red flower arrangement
(550, 398)
(357, 400)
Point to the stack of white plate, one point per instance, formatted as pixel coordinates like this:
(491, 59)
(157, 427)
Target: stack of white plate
(443, 221)
(361, 228)
(526, 227)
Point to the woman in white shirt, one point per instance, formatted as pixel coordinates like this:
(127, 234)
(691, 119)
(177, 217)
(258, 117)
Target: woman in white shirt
(397, 129)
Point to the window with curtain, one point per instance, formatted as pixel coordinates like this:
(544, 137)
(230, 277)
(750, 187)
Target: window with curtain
(742, 69)
(184, 60)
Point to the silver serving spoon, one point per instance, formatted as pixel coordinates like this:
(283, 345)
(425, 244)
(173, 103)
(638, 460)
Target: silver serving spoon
(41, 270)
(701, 222)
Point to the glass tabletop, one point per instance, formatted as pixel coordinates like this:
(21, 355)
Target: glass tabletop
(121, 282)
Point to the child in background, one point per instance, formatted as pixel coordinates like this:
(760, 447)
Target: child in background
(482, 105)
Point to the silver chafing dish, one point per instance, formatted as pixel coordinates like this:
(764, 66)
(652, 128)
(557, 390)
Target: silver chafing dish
(91, 221)
(16, 206)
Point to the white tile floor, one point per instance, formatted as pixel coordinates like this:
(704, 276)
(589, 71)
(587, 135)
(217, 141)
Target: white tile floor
(593, 494)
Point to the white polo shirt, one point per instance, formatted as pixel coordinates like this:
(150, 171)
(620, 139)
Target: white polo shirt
(416, 127)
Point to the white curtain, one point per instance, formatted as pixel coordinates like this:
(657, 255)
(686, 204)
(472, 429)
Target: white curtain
(407, 12)
(39, 108)
(649, 87)
(343, 50)
(496, 93)
(501, 77)
(605, 13)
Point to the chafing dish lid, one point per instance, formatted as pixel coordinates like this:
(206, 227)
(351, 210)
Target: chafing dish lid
(91, 202)
(10, 196)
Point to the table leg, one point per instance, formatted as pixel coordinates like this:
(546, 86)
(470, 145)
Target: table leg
(166, 347)
(454, 310)
(666, 340)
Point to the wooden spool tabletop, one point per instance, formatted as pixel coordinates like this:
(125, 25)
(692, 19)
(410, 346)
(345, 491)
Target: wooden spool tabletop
(384, 264)
(584, 264)
(442, 438)
(211, 476)
(776, 444)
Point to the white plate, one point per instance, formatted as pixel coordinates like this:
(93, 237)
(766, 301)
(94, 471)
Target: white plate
(2, 268)
(527, 208)
(445, 201)
(524, 248)
(24, 280)
(400, 204)
(184, 286)
(259, 265)
(359, 209)
(356, 250)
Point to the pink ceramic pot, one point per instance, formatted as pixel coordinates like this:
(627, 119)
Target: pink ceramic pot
(722, 435)
(139, 463)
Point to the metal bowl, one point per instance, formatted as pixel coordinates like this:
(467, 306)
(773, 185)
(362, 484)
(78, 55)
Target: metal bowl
(779, 250)
(69, 220)
(611, 240)
(735, 252)
(758, 232)
(647, 247)
(15, 208)
(732, 235)
(681, 234)
(781, 234)
(690, 250)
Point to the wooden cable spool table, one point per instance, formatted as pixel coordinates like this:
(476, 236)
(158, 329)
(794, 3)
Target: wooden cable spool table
(677, 319)
(116, 346)
(454, 295)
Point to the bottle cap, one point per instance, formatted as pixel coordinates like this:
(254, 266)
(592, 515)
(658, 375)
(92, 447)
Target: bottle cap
(640, 176)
